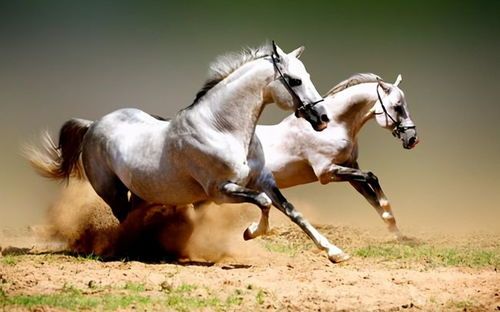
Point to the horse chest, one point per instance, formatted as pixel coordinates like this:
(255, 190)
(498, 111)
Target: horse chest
(334, 145)
(341, 150)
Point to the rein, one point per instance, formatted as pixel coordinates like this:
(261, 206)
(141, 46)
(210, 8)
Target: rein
(302, 107)
(398, 128)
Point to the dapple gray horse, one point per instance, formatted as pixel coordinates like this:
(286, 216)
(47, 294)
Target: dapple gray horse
(207, 152)
(296, 155)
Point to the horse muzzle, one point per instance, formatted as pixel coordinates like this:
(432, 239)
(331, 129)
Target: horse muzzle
(315, 115)
(409, 138)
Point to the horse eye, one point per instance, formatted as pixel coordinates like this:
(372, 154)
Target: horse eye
(294, 82)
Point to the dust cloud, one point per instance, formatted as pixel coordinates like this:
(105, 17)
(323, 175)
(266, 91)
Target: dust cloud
(84, 223)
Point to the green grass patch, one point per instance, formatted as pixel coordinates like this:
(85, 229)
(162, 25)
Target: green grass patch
(234, 300)
(68, 298)
(78, 301)
(134, 287)
(464, 304)
(184, 288)
(113, 302)
(181, 303)
(180, 299)
(10, 260)
(287, 248)
(432, 255)
(89, 257)
(260, 296)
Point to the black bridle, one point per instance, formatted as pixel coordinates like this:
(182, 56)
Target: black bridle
(398, 128)
(302, 106)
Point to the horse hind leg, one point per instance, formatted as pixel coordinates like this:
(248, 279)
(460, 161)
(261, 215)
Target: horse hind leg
(115, 194)
(366, 183)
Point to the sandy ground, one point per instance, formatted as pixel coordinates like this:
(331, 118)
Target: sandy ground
(302, 280)
(282, 271)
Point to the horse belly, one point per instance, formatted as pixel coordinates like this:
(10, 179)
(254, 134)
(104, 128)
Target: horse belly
(294, 173)
(161, 180)
(172, 191)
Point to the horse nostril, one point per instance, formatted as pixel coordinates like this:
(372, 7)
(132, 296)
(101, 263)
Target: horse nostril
(325, 118)
(412, 141)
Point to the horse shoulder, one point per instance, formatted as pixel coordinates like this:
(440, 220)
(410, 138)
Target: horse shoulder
(332, 146)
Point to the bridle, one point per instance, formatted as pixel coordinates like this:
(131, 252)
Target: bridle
(398, 128)
(302, 107)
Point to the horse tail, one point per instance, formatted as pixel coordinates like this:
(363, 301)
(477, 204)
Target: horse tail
(60, 162)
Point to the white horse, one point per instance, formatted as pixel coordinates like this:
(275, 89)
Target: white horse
(296, 155)
(207, 152)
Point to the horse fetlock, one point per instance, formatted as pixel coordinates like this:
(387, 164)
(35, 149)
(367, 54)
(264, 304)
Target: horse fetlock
(263, 200)
(388, 217)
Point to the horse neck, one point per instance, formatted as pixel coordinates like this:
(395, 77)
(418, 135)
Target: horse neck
(235, 104)
(352, 107)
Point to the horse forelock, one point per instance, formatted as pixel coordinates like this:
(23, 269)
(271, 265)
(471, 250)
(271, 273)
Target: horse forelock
(228, 63)
(352, 81)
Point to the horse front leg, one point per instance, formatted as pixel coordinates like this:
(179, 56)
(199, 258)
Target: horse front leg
(268, 185)
(238, 194)
(366, 183)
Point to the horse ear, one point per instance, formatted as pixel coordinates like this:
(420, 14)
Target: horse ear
(297, 52)
(278, 53)
(383, 85)
(398, 80)
(275, 48)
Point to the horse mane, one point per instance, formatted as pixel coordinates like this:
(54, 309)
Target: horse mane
(352, 81)
(226, 64)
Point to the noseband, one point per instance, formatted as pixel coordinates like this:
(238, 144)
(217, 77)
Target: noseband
(303, 107)
(398, 128)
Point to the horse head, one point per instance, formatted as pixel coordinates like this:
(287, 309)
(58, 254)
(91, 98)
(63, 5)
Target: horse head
(391, 112)
(293, 88)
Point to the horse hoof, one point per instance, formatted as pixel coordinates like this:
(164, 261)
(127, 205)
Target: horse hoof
(247, 235)
(341, 257)
(250, 232)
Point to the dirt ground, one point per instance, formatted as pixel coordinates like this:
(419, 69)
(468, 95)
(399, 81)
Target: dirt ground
(261, 279)
(80, 255)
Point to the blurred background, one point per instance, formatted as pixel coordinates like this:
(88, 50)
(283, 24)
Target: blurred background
(63, 59)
